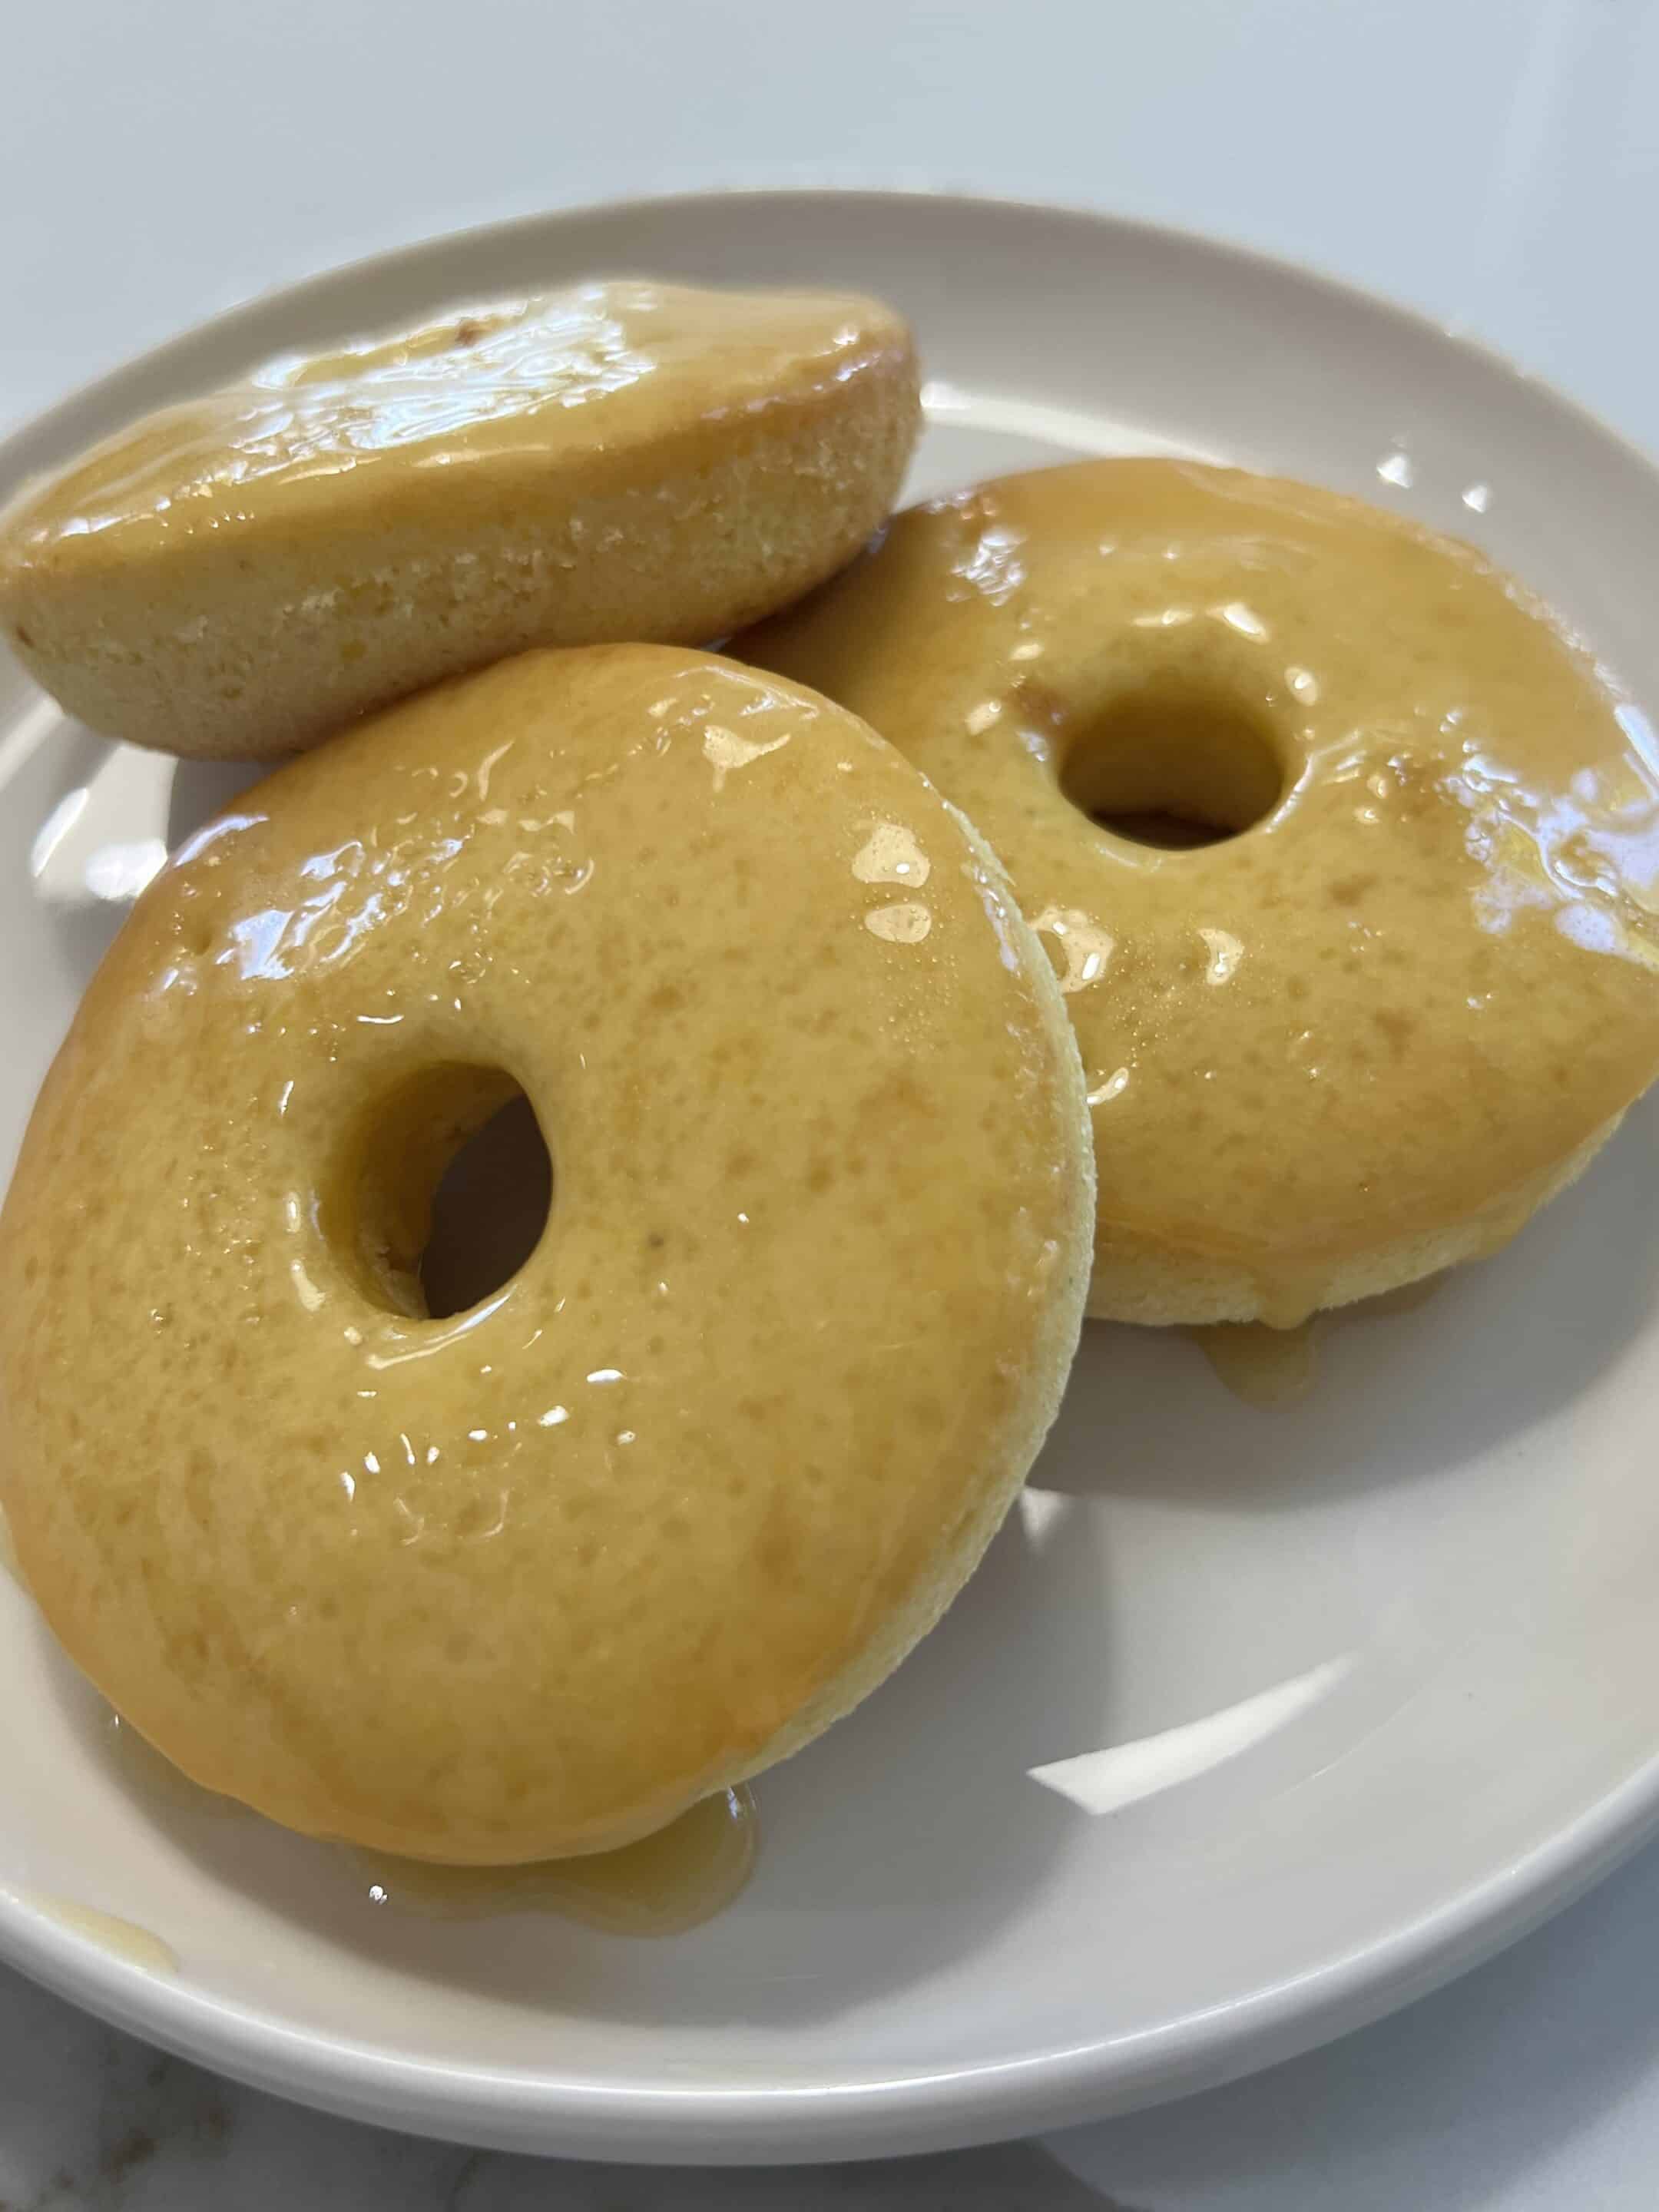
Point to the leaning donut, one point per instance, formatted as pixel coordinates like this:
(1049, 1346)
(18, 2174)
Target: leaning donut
(238, 575)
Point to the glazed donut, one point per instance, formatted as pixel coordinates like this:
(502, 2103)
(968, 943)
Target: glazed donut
(529, 1579)
(1410, 988)
(240, 575)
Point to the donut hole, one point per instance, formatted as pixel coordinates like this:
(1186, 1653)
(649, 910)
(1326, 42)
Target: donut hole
(489, 1211)
(443, 1193)
(1175, 770)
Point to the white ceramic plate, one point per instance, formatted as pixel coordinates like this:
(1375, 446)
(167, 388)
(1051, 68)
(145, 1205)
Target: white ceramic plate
(1350, 1693)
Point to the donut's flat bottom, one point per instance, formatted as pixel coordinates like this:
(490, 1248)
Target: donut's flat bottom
(1172, 1289)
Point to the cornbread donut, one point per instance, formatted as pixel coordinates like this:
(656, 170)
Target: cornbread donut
(239, 577)
(1413, 990)
(529, 1580)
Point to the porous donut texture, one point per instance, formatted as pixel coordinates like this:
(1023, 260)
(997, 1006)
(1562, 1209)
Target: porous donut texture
(1412, 982)
(529, 1579)
(237, 576)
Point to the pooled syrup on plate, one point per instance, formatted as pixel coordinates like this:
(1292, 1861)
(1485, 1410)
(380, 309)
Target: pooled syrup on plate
(125, 1939)
(1266, 1367)
(662, 1886)
(1262, 1365)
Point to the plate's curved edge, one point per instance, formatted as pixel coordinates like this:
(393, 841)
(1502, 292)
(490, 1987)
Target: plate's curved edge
(854, 2119)
(92, 397)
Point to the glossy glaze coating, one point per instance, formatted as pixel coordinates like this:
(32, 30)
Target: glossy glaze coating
(529, 1580)
(242, 574)
(602, 371)
(1367, 1035)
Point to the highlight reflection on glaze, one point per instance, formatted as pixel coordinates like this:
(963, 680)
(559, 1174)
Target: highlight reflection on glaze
(890, 854)
(1415, 970)
(472, 385)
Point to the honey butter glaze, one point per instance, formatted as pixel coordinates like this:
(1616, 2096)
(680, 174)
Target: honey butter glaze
(531, 1580)
(241, 573)
(603, 372)
(1416, 982)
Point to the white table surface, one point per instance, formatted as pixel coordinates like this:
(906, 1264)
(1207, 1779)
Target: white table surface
(1493, 161)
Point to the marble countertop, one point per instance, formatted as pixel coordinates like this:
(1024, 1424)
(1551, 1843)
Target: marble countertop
(1493, 161)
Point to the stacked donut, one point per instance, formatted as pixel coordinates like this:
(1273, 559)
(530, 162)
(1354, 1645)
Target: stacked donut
(1269, 858)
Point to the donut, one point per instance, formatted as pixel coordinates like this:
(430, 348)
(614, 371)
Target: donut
(1401, 983)
(529, 1579)
(237, 576)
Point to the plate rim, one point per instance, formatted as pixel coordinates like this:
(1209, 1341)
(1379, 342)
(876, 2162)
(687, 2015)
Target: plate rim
(343, 275)
(919, 2111)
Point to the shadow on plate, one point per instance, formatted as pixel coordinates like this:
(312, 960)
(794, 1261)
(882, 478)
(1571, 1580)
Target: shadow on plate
(203, 788)
(1395, 1398)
